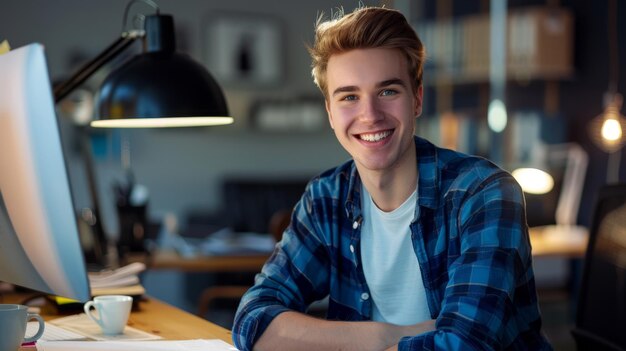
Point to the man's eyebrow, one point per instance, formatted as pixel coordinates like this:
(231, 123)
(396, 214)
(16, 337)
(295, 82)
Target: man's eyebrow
(346, 89)
(388, 82)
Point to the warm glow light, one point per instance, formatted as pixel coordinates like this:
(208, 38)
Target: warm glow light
(607, 129)
(496, 116)
(533, 180)
(164, 122)
(611, 129)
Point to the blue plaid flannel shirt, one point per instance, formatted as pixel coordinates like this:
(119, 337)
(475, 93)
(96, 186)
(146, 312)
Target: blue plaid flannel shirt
(470, 237)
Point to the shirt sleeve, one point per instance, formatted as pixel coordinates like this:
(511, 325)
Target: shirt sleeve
(490, 300)
(296, 274)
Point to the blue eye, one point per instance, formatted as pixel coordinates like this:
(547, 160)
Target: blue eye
(388, 92)
(349, 98)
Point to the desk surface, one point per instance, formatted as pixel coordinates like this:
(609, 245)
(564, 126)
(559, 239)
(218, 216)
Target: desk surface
(171, 323)
(559, 241)
(159, 318)
(547, 241)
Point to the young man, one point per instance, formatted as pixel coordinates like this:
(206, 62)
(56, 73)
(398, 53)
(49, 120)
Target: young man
(417, 247)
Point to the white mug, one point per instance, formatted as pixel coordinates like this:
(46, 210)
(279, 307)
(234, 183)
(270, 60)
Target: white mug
(13, 320)
(113, 312)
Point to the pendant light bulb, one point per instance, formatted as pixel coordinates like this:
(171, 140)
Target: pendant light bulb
(607, 129)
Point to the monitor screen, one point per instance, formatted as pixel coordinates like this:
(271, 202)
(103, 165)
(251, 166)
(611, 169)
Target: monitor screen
(602, 299)
(39, 242)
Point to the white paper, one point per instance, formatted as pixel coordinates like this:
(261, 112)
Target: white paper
(83, 325)
(179, 345)
(52, 332)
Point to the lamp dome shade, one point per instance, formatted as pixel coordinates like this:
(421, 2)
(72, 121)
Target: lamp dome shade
(160, 87)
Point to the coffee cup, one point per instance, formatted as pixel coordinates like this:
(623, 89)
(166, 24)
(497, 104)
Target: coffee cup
(13, 319)
(112, 312)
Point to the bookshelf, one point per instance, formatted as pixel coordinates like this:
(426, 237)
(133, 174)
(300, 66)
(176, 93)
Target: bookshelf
(539, 46)
(539, 55)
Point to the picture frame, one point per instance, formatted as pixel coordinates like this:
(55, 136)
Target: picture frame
(244, 49)
(305, 114)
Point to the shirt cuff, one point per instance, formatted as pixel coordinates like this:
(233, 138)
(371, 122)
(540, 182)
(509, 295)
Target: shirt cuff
(254, 324)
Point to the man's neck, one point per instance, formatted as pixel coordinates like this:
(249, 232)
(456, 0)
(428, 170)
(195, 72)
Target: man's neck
(390, 188)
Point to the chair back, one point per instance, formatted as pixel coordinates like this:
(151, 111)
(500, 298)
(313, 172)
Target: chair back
(601, 313)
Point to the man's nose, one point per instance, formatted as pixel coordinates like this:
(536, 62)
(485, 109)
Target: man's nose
(370, 110)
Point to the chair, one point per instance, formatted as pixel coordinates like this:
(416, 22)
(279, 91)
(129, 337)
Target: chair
(279, 221)
(601, 314)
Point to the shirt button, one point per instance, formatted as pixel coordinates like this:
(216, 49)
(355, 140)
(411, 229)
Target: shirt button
(365, 296)
(355, 225)
(352, 248)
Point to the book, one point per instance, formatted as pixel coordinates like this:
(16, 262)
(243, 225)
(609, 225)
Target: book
(120, 281)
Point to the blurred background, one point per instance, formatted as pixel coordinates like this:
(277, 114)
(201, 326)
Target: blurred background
(534, 83)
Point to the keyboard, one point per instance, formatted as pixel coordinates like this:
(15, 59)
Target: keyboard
(53, 333)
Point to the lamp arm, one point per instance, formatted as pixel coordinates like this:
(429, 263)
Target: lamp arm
(573, 182)
(62, 90)
(100, 238)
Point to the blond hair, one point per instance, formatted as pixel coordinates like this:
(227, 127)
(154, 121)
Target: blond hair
(365, 28)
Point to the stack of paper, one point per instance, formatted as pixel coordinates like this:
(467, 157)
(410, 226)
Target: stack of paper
(121, 281)
(53, 333)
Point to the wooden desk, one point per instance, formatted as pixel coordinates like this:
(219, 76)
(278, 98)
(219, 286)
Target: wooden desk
(171, 323)
(170, 259)
(559, 241)
(546, 241)
(159, 318)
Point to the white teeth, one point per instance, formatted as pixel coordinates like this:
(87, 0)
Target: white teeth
(375, 136)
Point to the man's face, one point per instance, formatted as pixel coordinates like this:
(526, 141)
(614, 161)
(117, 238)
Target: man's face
(372, 108)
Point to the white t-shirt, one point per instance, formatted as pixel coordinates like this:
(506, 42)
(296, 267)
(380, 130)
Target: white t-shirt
(390, 265)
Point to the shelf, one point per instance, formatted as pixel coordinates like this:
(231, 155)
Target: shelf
(539, 46)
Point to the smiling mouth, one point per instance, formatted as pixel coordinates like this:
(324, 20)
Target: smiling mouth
(375, 137)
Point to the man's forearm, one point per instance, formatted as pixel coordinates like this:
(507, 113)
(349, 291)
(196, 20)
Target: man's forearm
(297, 331)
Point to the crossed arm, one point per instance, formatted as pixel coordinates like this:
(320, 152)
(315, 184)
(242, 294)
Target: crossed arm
(297, 331)
(488, 299)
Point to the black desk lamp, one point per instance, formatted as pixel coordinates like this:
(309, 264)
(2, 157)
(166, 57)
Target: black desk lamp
(157, 88)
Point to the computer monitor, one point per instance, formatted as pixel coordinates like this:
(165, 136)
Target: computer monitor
(39, 241)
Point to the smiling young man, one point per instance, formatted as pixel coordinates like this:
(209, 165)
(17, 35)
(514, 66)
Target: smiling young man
(416, 247)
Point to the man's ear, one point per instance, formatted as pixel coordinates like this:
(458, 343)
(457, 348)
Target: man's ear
(419, 98)
(330, 117)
